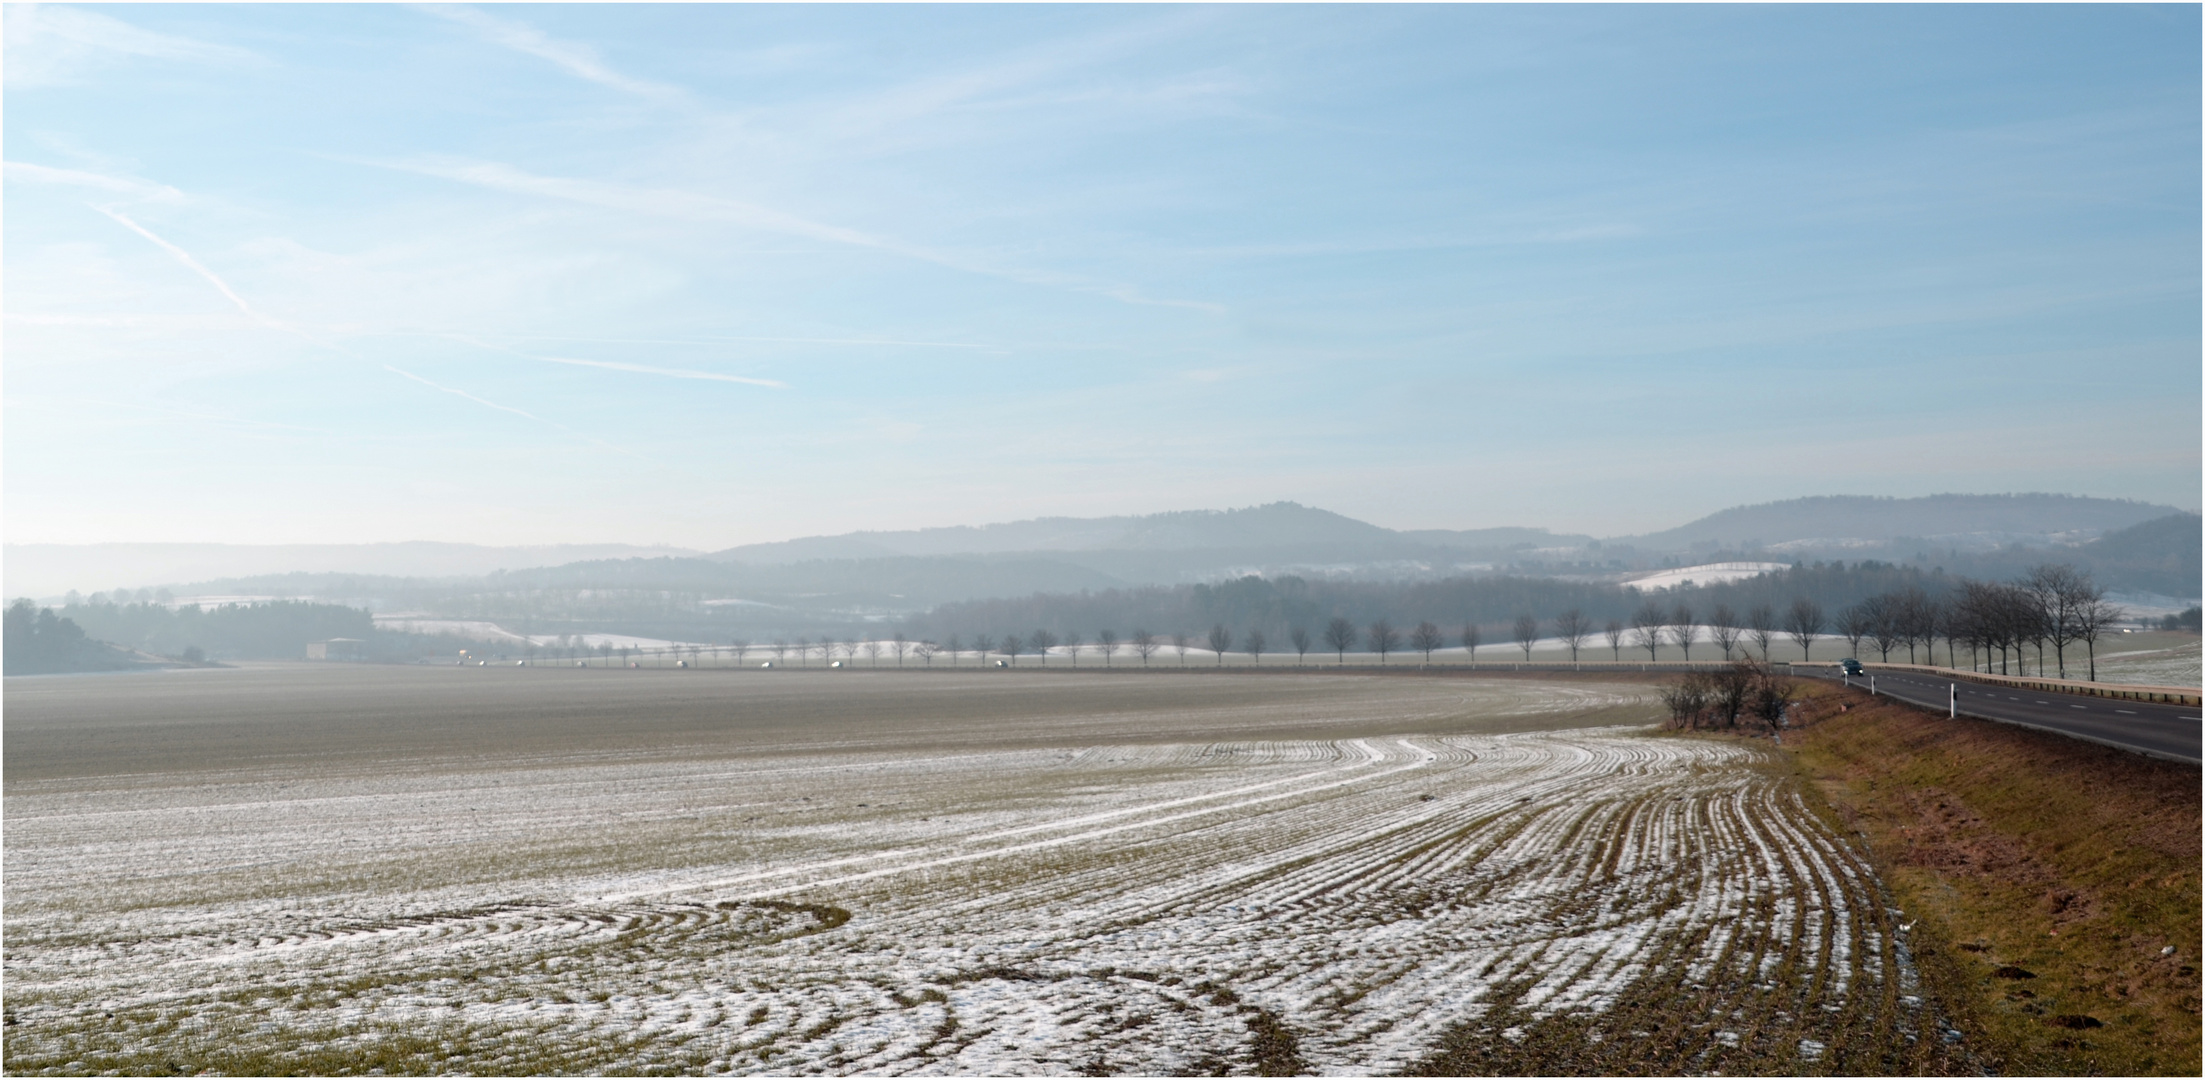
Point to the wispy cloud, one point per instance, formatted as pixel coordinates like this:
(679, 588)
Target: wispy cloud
(142, 190)
(615, 365)
(694, 206)
(58, 45)
(484, 402)
(195, 266)
(671, 373)
(489, 404)
(767, 340)
(579, 60)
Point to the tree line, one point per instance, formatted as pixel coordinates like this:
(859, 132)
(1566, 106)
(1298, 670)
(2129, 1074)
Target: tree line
(277, 630)
(39, 642)
(2052, 607)
(1275, 605)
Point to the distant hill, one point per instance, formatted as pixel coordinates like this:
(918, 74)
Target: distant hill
(1835, 522)
(2162, 556)
(51, 569)
(38, 642)
(855, 577)
(1277, 525)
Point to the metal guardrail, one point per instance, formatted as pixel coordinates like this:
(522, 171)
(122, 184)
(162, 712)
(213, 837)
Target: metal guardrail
(2170, 695)
(1953, 706)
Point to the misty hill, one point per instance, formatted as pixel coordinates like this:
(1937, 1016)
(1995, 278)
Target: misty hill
(1833, 522)
(854, 578)
(48, 569)
(1277, 526)
(2163, 556)
(1167, 548)
(38, 642)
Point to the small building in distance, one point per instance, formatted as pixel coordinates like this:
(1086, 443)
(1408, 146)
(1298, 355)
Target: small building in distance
(337, 648)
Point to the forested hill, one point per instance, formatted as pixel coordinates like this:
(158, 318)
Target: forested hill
(39, 642)
(1276, 606)
(1973, 520)
(267, 631)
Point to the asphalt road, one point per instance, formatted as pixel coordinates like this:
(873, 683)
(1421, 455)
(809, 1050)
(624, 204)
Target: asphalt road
(2167, 731)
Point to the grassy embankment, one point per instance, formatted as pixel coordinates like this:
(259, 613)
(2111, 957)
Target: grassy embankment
(2054, 883)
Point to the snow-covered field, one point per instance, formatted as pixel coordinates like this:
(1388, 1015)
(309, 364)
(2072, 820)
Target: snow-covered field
(2181, 665)
(1130, 899)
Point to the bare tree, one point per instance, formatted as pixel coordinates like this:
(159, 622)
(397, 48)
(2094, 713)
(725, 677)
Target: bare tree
(803, 649)
(1300, 638)
(1253, 643)
(1855, 622)
(1573, 628)
(1383, 639)
(1471, 636)
(1425, 638)
(1527, 633)
(2060, 592)
(780, 651)
(1106, 643)
(1722, 626)
(1683, 628)
(1041, 641)
(1221, 639)
(1614, 632)
(740, 648)
(1180, 641)
(1012, 645)
(953, 646)
(983, 645)
(1340, 635)
(1646, 628)
(1919, 618)
(901, 645)
(2092, 617)
(1802, 623)
(872, 650)
(1885, 617)
(1144, 645)
(1072, 648)
(925, 651)
(1761, 625)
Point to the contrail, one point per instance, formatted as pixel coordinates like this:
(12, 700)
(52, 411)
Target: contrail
(488, 404)
(184, 257)
(672, 373)
(615, 365)
(479, 401)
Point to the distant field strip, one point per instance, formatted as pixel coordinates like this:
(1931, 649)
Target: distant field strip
(1603, 900)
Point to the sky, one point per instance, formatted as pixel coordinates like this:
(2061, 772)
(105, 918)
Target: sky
(706, 275)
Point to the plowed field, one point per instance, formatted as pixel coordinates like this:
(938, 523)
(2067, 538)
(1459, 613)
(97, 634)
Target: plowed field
(1463, 876)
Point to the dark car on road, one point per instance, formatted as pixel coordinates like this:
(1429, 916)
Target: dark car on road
(1849, 666)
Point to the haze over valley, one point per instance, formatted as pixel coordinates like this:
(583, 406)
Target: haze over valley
(1053, 539)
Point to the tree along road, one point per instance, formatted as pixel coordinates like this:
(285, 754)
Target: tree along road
(2167, 731)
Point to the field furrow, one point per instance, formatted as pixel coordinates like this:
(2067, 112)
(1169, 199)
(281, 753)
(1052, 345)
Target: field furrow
(1590, 900)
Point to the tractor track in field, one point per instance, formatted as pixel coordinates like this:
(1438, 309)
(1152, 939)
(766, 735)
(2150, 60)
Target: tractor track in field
(1603, 901)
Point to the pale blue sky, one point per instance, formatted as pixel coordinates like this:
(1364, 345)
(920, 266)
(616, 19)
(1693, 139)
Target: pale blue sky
(707, 275)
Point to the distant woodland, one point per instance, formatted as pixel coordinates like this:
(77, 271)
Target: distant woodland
(1276, 606)
(39, 642)
(267, 631)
